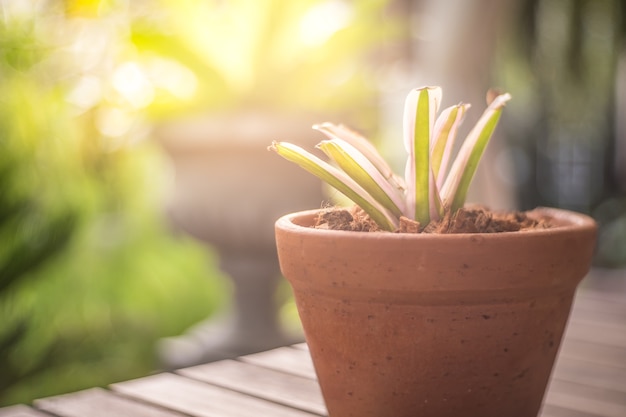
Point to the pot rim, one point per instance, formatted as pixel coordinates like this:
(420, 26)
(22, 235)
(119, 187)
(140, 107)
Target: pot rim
(566, 221)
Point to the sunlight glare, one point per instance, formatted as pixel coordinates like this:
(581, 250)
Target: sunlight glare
(86, 93)
(323, 20)
(172, 77)
(113, 122)
(132, 84)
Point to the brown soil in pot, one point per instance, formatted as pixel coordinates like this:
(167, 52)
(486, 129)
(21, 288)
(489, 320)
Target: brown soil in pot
(466, 220)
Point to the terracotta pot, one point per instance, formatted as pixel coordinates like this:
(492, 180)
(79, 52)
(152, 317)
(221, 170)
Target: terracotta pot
(434, 325)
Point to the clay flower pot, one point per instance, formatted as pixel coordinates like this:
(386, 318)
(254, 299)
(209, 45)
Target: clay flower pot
(434, 325)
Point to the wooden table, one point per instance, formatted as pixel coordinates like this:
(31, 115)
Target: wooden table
(589, 379)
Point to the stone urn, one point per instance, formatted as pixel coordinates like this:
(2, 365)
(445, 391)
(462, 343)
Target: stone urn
(228, 191)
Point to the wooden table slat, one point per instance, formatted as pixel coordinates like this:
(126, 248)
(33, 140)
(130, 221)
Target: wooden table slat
(286, 359)
(601, 306)
(603, 299)
(555, 411)
(200, 399)
(21, 410)
(590, 373)
(593, 352)
(597, 332)
(586, 391)
(291, 390)
(605, 315)
(585, 404)
(98, 402)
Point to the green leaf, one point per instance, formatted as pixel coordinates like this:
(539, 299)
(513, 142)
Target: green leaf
(444, 137)
(419, 115)
(457, 183)
(429, 190)
(360, 169)
(339, 180)
(364, 146)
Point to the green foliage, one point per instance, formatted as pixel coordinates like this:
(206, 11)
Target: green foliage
(93, 314)
(89, 276)
(307, 54)
(35, 223)
(427, 191)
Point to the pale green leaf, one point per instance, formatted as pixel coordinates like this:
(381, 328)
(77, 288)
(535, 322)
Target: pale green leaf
(457, 183)
(419, 115)
(337, 179)
(446, 128)
(364, 146)
(360, 169)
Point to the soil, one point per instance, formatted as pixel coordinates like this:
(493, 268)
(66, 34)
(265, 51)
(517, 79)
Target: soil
(465, 220)
(353, 219)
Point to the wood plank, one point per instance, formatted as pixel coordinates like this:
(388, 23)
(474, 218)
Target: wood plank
(593, 406)
(595, 300)
(97, 402)
(600, 307)
(591, 374)
(291, 390)
(593, 352)
(286, 359)
(21, 411)
(606, 315)
(611, 334)
(606, 281)
(611, 397)
(554, 411)
(199, 399)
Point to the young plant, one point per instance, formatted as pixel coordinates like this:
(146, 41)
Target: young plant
(433, 184)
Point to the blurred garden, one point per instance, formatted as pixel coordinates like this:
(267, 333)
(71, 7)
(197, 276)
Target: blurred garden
(92, 273)
(94, 267)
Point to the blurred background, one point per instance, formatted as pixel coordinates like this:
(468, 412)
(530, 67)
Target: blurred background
(137, 197)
